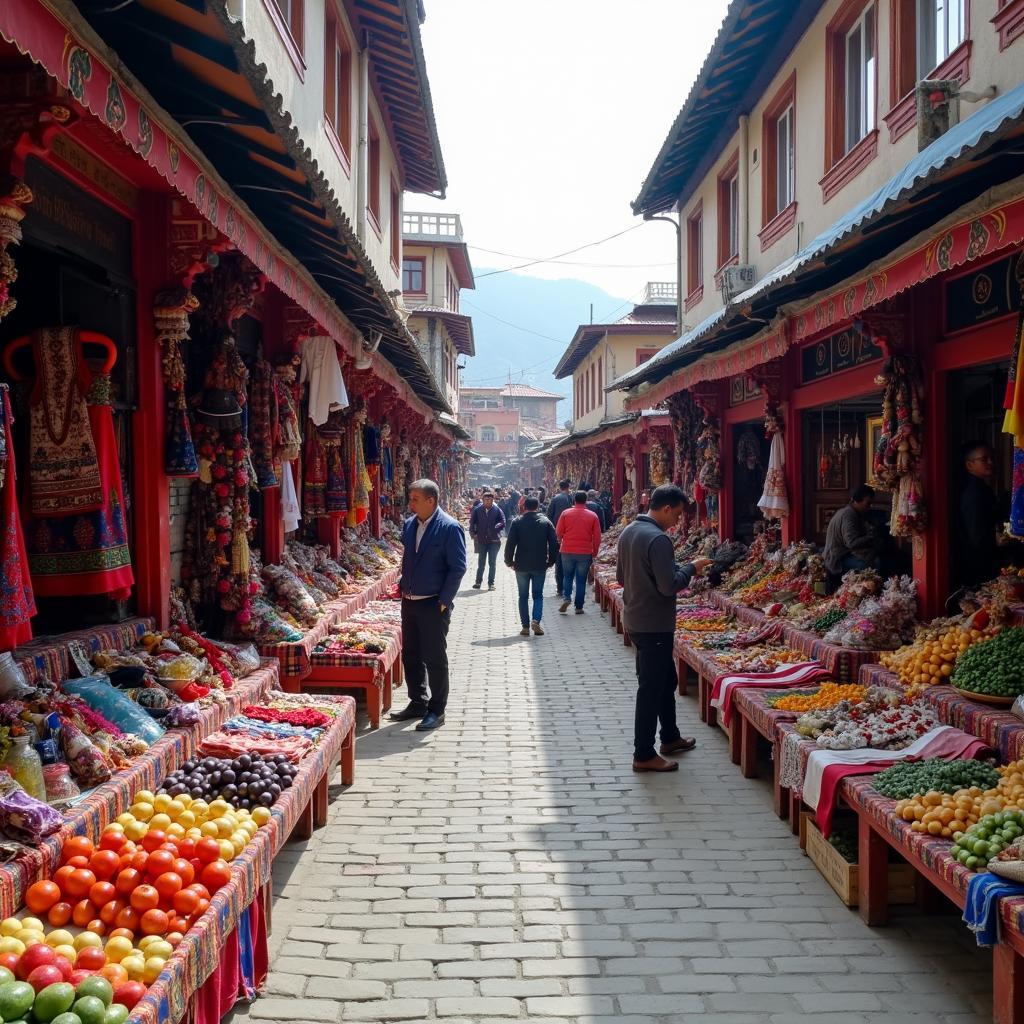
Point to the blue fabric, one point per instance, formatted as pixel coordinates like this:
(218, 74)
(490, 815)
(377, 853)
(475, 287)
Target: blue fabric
(981, 911)
(575, 567)
(439, 565)
(246, 958)
(526, 580)
(485, 525)
(487, 553)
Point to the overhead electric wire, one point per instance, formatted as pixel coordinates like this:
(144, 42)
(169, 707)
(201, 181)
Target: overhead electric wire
(571, 263)
(558, 256)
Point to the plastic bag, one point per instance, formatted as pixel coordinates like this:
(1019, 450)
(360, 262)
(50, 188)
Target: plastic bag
(13, 683)
(85, 757)
(26, 819)
(97, 692)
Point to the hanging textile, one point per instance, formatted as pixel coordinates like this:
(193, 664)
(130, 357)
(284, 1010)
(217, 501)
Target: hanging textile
(314, 479)
(774, 501)
(1013, 421)
(64, 471)
(72, 555)
(359, 480)
(171, 311)
(320, 367)
(17, 605)
(289, 433)
(371, 445)
(263, 425)
(290, 511)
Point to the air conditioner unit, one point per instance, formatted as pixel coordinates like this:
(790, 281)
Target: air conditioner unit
(736, 279)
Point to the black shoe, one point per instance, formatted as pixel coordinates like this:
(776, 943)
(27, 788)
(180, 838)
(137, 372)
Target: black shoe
(411, 712)
(430, 721)
(476, 586)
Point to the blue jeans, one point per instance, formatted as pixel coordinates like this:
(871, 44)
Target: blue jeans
(575, 567)
(488, 553)
(526, 580)
(851, 561)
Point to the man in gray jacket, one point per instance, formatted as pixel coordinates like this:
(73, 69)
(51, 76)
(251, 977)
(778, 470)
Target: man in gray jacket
(650, 579)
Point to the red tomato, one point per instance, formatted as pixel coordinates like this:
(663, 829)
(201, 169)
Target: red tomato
(65, 966)
(102, 893)
(153, 922)
(79, 861)
(129, 993)
(61, 876)
(104, 864)
(127, 918)
(122, 933)
(200, 889)
(97, 926)
(154, 839)
(160, 861)
(177, 923)
(167, 885)
(139, 859)
(216, 875)
(90, 958)
(75, 846)
(83, 913)
(115, 974)
(109, 911)
(47, 974)
(145, 897)
(33, 957)
(185, 902)
(10, 961)
(78, 976)
(204, 905)
(60, 914)
(127, 881)
(186, 848)
(79, 882)
(183, 868)
(42, 895)
(208, 850)
(113, 841)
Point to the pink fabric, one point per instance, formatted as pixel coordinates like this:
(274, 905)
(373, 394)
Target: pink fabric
(785, 677)
(579, 531)
(219, 993)
(951, 745)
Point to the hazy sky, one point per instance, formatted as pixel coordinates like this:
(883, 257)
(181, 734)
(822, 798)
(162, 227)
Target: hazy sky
(550, 113)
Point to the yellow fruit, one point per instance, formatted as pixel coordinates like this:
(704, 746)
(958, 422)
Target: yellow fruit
(186, 819)
(152, 968)
(227, 850)
(9, 944)
(225, 826)
(144, 796)
(161, 802)
(33, 924)
(200, 808)
(161, 948)
(141, 812)
(30, 937)
(88, 939)
(261, 815)
(114, 826)
(67, 951)
(209, 828)
(160, 821)
(126, 819)
(60, 937)
(174, 810)
(135, 966)
(136, 830)
(194, 833)
(10, 926)
(238, 842)
(176, 830)
(118, 948)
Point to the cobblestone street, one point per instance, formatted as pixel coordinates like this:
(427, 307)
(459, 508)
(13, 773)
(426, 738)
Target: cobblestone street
(511, 866)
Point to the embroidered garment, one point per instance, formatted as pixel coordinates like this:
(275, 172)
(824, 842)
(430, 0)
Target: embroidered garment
(17, 605)
(64, 472)
(359, 479)
(263, 425)
(315, 477)
(774, 502)
(87, 553)
(320, 367)
(289, 438)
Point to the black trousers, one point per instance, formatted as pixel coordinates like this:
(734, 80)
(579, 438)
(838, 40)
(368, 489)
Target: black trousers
(655, 694)
(425, 652)
(559, 575)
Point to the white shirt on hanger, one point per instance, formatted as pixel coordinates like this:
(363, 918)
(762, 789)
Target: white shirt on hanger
(321, 368)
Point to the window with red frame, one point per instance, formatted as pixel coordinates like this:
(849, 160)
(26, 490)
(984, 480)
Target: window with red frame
(729, 211)
(338, 81)
(851, 78)
(414, 278)
(373, 174)
(451, 291)
(396, 223)
(643, 354)
(778, 156)
(600, 378)
(289, 14)
(925, 34)
(695, 249)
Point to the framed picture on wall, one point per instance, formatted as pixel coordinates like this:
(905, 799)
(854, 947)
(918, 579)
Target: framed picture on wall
(824, 511)
(873, 429)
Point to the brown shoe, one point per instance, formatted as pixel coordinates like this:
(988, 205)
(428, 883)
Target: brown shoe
(538, 628)
(525, 631)
(655, 764)
(679, 746)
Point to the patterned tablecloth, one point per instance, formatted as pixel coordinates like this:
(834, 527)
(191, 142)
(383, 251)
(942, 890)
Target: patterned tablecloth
(753, 705)
(49, 656)
(104, 803)
(196, 957)
(295, 657)
(842, 662)
(380, 663)
(748, 616)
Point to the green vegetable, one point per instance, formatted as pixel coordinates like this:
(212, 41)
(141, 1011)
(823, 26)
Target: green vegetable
(989, 837)
(910, 778)
(994, 667)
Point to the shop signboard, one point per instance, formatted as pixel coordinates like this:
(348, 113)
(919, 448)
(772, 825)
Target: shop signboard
(991, 292)
(837, 352)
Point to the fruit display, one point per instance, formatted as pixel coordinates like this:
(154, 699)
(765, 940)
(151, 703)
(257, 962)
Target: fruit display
(92, 1000)
(824, 623)
(245, 782)
(994, 667)
(827, 695)
(908, 778)
(932, 656)
(984, 840)
(879, 623)
(883, 719)
(757, 658)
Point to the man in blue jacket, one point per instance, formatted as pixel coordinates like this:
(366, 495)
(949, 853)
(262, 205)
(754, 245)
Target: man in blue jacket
(486, 522)
(433, 564)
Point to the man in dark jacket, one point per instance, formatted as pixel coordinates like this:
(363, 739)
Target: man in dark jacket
(595, 506)
(558, 504)
(531, 549)
(486, 523)
(433, 564)
(650, 579)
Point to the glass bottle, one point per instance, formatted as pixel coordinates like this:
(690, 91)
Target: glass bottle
(24, 765)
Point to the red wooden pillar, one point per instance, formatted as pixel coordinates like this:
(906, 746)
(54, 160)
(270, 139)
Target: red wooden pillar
(273, 523)
(151, 488)
(725, 495)
(793, 524)
(328, 530)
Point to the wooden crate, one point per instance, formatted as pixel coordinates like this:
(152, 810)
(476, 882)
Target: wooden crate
(844, 877)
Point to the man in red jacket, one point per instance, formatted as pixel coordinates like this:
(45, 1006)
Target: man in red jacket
(579, 537)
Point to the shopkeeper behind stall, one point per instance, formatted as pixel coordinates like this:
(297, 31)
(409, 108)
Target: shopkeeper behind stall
(849, 541)
(979, 522)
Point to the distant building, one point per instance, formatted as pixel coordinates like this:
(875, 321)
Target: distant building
(435, 269)
(503, 420)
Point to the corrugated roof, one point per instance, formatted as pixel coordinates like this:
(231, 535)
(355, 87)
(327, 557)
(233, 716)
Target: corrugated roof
(972, 145)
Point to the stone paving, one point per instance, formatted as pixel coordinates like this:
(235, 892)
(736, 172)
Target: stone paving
(511, 866)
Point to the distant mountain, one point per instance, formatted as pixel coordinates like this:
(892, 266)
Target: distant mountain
(553, 309)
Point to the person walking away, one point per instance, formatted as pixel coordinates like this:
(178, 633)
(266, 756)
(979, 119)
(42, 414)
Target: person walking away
(485, 526)
(558, 504)
(849, 543)
(531, 549)
(595, 506)
(433, 564)
(650, 579)
(512, 509)
(579, 537)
